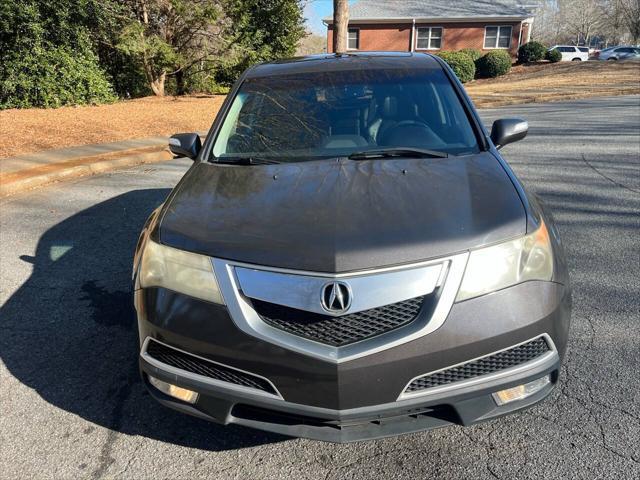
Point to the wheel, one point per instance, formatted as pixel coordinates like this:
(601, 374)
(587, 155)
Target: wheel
(612, 59)
(576, 60)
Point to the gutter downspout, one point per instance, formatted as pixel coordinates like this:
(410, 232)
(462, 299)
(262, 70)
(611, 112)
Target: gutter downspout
(413, 36)
(520, 34)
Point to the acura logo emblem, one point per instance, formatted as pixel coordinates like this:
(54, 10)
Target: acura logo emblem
(336, 297)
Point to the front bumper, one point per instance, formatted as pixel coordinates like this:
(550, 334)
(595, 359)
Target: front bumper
(359, 399)
(461, 406)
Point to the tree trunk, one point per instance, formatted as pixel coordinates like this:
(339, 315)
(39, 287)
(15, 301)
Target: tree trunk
(180, 87)
(340, 25)
(155, 82)
(157, 85)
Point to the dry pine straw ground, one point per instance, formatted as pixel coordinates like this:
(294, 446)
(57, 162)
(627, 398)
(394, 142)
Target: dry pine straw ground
(32, 130)
(556, 82)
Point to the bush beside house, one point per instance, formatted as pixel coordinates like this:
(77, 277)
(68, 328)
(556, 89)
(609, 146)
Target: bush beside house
(493, 64)
(470, 63)
(554, 56)
(531, 52)
(461, 63)
(473, 53)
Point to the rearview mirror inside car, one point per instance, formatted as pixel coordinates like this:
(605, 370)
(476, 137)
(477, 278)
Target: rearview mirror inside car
(185, 144)
(508, 130)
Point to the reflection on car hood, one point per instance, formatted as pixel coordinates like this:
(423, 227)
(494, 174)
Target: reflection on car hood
(343, 215)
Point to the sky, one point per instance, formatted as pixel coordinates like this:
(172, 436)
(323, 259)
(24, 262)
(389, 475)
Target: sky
(315, 11)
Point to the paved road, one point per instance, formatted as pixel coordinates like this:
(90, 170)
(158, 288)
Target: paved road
(71, 404)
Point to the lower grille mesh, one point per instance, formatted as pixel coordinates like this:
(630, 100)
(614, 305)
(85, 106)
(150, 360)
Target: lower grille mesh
(339, 331)
(189, 363)
(483, 366)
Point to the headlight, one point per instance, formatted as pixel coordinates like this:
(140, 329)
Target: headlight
(180, 271)
(506, 264)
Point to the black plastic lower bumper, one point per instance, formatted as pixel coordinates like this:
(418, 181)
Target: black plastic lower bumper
(463, 405)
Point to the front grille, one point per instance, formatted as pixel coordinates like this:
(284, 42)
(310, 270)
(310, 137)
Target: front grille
(483, 366)
(339, 331)
(191, 364)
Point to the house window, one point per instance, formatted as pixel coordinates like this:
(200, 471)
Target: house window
(354, 39)
(497, 37)
(429, 38)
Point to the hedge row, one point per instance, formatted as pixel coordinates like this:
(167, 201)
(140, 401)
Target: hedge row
(469, 63)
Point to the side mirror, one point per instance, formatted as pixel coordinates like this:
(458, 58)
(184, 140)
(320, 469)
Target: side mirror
(185, 145)
(508, 130)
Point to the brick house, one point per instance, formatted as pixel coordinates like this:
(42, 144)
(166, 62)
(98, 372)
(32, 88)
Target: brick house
(432, 25)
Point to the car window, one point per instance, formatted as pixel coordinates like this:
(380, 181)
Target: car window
(566, 49)
(584, 49)
(295, 117)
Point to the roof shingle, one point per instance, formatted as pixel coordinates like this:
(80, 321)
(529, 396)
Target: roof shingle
(423, 9)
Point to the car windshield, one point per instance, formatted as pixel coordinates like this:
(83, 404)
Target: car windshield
(305, 116)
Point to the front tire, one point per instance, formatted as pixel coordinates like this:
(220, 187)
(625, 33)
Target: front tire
(576, 60)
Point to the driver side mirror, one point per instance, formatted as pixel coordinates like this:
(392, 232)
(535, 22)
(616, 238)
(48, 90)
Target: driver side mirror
(508, 130)
(185, 145)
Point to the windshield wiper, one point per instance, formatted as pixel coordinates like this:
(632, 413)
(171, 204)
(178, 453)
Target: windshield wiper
(246, 161)
(397, 152)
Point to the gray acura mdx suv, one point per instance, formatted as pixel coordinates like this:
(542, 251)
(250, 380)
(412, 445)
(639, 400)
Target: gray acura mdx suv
(349, 257)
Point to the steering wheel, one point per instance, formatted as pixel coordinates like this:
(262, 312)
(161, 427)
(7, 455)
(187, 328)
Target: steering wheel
(415, 130)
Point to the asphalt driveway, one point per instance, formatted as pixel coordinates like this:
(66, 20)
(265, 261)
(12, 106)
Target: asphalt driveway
(71, 403)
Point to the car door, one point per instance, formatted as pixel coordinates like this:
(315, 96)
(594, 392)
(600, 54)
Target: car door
(583, 53)
(567, 53)
(622, 53)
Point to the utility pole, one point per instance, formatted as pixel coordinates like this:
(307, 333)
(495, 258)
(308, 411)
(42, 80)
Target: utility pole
(340, 25)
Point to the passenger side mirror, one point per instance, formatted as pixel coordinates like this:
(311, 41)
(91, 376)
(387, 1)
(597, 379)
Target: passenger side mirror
(508, 130)
(185, 145)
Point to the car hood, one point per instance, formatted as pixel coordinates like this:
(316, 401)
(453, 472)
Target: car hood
(343, 215)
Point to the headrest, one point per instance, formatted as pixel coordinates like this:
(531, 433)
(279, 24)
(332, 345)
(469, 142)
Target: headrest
(390, 107)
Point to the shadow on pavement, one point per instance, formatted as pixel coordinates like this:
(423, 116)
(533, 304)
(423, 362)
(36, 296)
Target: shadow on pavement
(69, 332)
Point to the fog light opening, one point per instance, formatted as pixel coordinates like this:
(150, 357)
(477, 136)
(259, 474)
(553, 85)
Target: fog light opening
(521, 392)
(174, 391)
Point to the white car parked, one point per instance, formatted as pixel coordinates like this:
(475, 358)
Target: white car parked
(571, 53)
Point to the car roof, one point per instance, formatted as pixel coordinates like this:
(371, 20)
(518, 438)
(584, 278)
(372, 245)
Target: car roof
(342, 62)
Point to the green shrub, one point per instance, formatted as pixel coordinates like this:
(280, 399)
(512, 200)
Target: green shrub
(473, 53)
(461, 64)
(554, 55)
(205, 82)
(493, 64)
(53, 76)
(531, 52)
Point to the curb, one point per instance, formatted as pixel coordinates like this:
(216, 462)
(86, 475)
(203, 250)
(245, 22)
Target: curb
(24, 180)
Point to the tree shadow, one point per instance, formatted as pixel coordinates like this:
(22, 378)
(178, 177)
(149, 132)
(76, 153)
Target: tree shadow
(69, 332)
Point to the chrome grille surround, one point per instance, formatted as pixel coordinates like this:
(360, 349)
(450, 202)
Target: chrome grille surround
(240, 282)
